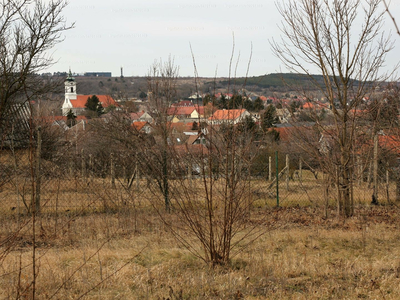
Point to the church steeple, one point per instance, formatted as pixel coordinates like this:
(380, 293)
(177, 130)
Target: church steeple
(70, 78)
(70, 84)
(70, 93)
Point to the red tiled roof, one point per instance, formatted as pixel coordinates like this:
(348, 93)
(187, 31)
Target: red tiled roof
(308, 105)
(135, 116)
(284, 133)
(181, 127)
(180, 110)
(81, 100)
(227, 114)
(292, 133)
(192, 139)
(390, 142)
(200, 109)
(139, 125)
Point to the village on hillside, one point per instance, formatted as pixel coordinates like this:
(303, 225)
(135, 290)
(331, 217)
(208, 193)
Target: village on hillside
(276, 115)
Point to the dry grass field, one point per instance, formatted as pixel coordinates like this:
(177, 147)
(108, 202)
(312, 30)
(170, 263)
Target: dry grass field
(121, 255)
(96, 242)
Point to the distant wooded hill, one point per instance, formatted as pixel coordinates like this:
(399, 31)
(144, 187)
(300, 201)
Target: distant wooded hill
(276, 80)
(129, 87)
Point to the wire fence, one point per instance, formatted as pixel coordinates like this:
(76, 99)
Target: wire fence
(82, 183)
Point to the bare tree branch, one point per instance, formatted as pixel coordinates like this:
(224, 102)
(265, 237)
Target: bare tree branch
(391, 16)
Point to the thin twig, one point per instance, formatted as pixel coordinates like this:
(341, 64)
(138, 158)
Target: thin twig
(391, 16)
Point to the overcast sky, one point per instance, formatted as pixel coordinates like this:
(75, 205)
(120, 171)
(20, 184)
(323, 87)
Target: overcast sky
(110, 34)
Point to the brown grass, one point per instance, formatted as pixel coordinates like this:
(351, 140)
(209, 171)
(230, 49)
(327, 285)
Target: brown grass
(122, 255)
(102, 243)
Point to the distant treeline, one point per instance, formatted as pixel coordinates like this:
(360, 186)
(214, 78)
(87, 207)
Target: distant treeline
(278, 80)
(275, 80)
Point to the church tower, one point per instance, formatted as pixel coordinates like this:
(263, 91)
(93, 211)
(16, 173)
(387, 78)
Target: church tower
(70, 93)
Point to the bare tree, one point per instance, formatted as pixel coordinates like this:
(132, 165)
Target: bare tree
(341, 40)
(161, 81)
(205, 186)
(28, 30)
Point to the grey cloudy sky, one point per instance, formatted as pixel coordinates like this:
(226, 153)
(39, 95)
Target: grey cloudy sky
(109, 34)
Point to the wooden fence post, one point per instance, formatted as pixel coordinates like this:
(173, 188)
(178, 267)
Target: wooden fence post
(270, 168)
(397, 179)
(387, 182)
(359, 171)
(287, 172)
(38, 161)
(91, 166)
(369, 174)
(375, 193)
(277, 178)
(137, 172)
(339, 191)
(326, 194)
(83, 165)
(189, 174)
(301, 169)
(112, 171)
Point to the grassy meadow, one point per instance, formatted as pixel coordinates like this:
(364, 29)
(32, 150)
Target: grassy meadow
(96, 242)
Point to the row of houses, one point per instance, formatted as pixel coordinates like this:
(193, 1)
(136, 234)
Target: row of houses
(184, 118)
(75, 103)
(183, 111)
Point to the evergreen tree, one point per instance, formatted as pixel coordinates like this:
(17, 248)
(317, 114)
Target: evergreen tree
(269, 117)
(142, 95)
(223, 102)
(93, 104)
(71, 119)
(258, 104)
(208, 99)
(235, 102)
(195, 126)
(247, 125)
(248, 104)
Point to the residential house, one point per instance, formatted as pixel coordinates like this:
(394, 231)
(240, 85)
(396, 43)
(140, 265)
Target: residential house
(196, 97)
(283, 115)
(198, 139)
(141, 116)
(142, 126)
(226, 95)
(63, 122)
(228, 116)
(181, 127)
(186, 112)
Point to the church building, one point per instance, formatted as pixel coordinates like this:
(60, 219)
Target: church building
(76, 103)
